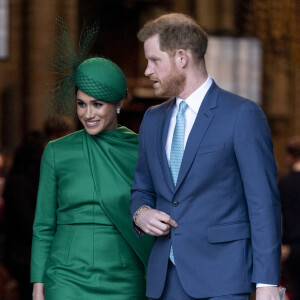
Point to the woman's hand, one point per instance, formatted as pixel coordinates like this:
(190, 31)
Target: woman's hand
(38, 291)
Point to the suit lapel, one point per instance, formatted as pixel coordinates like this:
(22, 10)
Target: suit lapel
(162, 134)
(202, 122)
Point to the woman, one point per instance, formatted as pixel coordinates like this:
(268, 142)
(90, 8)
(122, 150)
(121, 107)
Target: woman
(83, 244)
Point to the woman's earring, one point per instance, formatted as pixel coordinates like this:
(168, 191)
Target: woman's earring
(118, 110)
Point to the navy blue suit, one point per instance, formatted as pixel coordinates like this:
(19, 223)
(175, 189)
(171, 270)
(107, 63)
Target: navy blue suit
(225, 201)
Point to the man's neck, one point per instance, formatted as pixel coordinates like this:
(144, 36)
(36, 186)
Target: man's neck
(193, 82)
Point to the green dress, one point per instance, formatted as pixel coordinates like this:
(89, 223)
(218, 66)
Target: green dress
(83, 244)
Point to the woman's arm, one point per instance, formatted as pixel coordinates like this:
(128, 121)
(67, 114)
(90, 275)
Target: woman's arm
(44, 227)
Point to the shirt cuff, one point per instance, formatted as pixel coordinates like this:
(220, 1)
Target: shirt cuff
(264, 284)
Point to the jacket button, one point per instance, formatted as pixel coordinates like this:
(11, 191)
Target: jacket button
(175, 203)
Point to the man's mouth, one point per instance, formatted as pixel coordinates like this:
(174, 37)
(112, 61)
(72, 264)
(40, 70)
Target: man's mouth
(155, 84)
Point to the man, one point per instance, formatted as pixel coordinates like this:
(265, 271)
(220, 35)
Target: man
(205, 181)
(289, 188)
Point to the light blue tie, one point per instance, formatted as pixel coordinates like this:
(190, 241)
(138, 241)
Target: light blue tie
(177, 149)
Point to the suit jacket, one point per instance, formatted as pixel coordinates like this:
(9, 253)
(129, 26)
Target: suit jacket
(225, 202)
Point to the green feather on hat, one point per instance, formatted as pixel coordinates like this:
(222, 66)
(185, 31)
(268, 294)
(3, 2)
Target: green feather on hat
(98, 77)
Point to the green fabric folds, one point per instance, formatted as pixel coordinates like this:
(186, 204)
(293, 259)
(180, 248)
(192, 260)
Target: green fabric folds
(112, 157)
(83, 243)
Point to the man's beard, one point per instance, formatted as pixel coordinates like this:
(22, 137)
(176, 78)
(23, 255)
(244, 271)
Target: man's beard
(172, 85)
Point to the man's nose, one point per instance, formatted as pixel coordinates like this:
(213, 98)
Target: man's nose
(148, 70)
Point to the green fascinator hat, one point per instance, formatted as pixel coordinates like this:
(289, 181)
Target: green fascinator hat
(98, 77)
(102, 79)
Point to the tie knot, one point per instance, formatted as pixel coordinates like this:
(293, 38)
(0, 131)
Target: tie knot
(182, 107)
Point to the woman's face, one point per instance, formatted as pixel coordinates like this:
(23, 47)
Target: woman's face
(96, 115)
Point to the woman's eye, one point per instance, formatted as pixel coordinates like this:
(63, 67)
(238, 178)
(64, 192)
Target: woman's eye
(98, 104)
(81, 104)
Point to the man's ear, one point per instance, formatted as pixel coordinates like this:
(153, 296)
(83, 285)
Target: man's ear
(181, 58)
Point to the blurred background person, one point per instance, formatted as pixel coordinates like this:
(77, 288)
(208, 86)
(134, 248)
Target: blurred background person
(2, 171)
(56, 127)
(19, 200)
(289, 188)
(3, 175)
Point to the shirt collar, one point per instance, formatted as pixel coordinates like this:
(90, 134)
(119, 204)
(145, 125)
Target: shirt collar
(195, 99)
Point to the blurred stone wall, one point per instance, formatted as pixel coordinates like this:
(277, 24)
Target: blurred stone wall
(24, 74)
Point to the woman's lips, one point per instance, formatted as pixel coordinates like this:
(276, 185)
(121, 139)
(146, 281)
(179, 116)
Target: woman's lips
(92, 123)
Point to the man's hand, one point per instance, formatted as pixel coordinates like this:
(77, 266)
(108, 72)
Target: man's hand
(38, 291)
(155, 222)
(267, 293)
(285, 252)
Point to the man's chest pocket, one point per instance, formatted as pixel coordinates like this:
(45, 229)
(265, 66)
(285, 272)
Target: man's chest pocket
(210, 148)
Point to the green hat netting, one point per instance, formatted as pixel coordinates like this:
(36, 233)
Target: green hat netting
(102, 79)
(98, 77)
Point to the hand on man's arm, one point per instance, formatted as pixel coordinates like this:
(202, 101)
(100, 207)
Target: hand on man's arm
(154, 222)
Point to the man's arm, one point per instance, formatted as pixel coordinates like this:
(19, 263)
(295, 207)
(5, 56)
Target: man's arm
(142, 192)
(254, 153)
(149, 220)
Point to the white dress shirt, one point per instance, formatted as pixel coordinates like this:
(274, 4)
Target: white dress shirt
(194, 102)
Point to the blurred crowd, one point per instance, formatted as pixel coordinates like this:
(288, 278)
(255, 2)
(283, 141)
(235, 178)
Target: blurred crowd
(289, 188)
